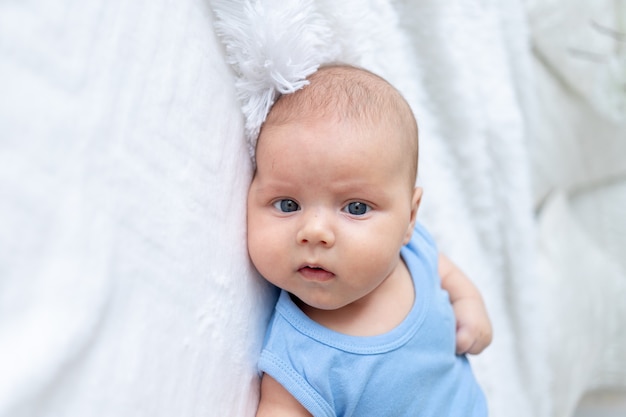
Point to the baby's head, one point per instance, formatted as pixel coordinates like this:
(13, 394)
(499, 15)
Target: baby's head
(333, 198)
(345, 94)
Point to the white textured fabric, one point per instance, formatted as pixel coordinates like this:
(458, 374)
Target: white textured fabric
(584, 43)
(578, 137)
(579, 143)
(125, 286)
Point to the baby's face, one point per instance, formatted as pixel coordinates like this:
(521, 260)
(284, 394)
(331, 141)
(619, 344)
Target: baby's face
(329, 208)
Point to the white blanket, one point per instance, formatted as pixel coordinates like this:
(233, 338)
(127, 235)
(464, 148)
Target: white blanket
(125, 286)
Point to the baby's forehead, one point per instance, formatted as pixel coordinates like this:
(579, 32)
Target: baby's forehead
(362, 131)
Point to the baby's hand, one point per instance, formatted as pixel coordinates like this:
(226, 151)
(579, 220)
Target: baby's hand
(473, 328)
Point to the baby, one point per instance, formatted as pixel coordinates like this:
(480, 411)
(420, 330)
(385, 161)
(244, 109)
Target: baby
(365, 322)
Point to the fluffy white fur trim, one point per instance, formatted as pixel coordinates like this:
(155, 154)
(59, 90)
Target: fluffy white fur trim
(272, 45)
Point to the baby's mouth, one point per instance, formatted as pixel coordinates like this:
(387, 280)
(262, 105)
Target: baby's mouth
(315, 273)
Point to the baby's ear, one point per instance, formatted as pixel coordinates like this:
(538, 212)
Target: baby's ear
(415, 204)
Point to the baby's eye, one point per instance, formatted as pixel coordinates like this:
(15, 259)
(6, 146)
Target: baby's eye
(286, 205)
(357, 208)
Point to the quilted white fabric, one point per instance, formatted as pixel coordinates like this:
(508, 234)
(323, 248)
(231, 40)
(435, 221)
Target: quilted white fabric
(125, 286)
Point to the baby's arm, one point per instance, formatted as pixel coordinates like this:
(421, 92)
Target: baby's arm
(473, 328)
(276, 401)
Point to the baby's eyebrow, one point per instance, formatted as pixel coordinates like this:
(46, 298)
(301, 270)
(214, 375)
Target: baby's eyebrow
(272, 187)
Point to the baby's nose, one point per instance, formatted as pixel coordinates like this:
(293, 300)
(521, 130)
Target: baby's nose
(316, 229)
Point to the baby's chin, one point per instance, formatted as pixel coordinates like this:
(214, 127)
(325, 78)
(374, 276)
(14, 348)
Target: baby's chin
(307, 304)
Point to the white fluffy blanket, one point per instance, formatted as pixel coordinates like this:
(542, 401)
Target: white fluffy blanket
(125, 287)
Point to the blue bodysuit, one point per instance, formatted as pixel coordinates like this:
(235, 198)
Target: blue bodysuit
(411, 370)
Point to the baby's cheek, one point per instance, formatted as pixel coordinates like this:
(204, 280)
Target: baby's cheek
(371, 261)
(257, 251)
(255, 246)
(264, 252)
